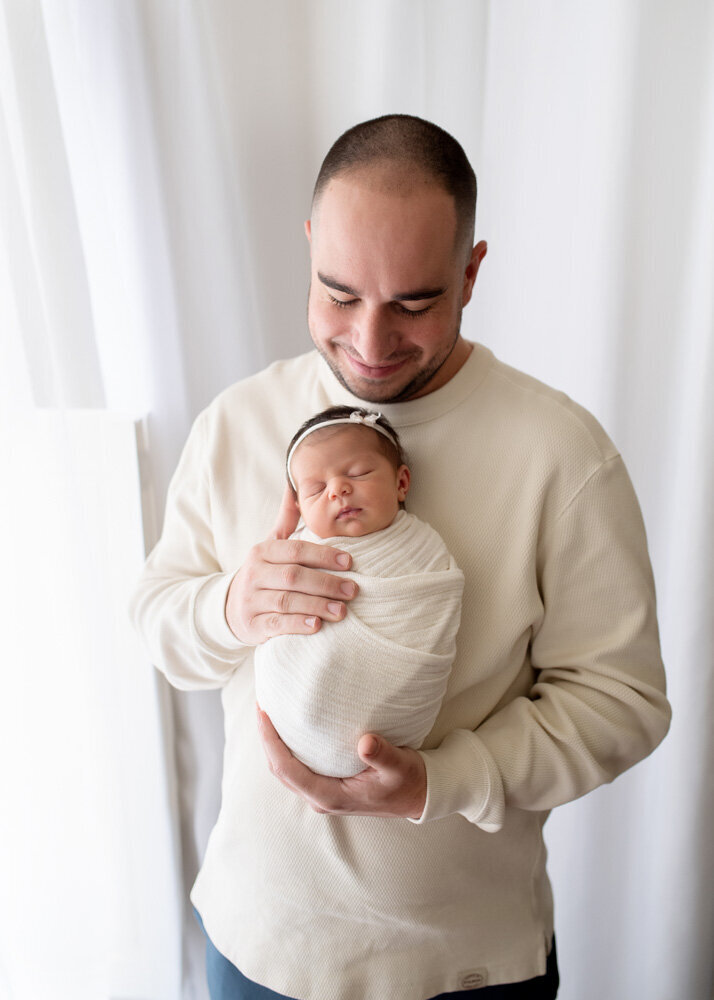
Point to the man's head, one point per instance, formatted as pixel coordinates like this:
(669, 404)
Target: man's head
(392, 262)
(347, 472)
(408, 148)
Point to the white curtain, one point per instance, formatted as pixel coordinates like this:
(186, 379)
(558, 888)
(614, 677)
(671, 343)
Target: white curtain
(156, 164)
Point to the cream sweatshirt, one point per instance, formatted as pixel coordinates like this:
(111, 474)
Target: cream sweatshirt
(557, 685)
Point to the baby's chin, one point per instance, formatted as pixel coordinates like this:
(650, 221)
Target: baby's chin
(348, 528)
(351, 529)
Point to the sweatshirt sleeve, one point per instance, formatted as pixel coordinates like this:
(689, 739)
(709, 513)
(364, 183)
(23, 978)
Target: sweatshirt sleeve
(597, 705)
(178, 605)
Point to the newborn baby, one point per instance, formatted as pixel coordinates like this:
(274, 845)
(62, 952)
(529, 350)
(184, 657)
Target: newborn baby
(384, 668)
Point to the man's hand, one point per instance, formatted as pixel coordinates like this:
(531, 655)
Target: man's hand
(392, 784)
(282, 587)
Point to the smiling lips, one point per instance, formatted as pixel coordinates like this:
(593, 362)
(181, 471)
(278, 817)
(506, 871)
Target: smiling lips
(375, 371)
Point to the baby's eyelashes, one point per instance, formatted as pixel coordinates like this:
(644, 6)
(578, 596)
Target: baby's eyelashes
(313, 489)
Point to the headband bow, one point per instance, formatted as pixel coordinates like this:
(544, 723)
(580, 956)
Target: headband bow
(370, 420)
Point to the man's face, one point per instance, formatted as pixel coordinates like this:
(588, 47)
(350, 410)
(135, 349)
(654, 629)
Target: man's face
(388, 285)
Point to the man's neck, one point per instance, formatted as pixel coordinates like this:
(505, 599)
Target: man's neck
(454, 363)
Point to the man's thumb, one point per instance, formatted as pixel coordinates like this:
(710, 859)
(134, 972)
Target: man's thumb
(368, 747)
(288, 515)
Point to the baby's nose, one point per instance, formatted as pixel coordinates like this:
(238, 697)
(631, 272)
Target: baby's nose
(340, 486)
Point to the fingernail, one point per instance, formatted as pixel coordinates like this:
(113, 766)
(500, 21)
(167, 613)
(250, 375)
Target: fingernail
(371, 748)
(310, 622)
(343, 560)
(334, 608)
(348, 589)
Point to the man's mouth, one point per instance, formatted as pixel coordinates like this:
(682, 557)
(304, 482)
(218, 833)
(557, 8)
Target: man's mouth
(375, 371)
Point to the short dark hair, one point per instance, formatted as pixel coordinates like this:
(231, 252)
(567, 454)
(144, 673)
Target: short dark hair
(392, 450)
(404, 140)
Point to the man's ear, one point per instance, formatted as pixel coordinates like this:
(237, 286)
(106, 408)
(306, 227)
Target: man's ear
(404, 478)
(477, 255)
(308, 230)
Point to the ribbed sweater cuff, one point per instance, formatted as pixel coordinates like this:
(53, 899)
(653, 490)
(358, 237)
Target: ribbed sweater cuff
(462, 777)
(209, 616)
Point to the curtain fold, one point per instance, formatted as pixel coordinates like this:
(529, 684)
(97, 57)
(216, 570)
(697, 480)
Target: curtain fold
(156, 166)
(46, 258)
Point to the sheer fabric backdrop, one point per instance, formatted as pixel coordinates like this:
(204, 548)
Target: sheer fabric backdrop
(157, 160)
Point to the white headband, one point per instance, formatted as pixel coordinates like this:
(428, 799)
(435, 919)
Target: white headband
(354, 418)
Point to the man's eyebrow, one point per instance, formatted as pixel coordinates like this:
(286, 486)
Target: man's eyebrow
(420, 293)
(337, 285)
(415, 296)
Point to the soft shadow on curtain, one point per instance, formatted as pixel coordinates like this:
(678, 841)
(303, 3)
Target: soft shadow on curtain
(156, 162)
(89, 841)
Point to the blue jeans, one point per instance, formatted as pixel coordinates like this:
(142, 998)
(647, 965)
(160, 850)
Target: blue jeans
(226, 982)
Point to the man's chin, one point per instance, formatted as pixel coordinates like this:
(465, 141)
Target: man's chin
(366, 391)
(392, 390)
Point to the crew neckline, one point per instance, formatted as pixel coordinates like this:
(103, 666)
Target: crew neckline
(434, 404)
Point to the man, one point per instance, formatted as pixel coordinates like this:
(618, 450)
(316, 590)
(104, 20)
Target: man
(425, 874)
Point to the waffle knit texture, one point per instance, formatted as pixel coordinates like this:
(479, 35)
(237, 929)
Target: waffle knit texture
(556, 688)
(384, 668)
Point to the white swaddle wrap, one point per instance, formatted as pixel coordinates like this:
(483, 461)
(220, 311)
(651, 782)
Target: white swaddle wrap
(384, 668)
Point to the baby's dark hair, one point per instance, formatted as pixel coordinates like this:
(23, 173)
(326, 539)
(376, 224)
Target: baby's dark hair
(390, 447)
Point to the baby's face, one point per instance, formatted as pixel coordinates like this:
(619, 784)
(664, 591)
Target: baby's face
(345, 483)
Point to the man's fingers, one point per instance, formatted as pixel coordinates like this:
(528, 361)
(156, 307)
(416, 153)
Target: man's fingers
(287, 577)
(293, 551)
(278, 755)
(393, 783)
(274, 623)
(288, 515)
(297, 579)
(291, 602)
(323, 794)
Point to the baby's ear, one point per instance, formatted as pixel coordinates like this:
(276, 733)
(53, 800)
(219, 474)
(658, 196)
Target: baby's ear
(404, 478)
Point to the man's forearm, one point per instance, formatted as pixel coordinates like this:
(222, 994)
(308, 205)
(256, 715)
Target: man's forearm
(182, 623)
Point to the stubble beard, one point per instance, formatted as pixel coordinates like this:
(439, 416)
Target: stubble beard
(416, 384)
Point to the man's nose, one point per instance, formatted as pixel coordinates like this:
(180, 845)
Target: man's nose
(375, 337)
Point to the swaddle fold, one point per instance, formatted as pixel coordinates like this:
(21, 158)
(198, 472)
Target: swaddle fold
(384, 667)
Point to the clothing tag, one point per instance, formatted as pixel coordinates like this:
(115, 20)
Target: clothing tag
(473, 979)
